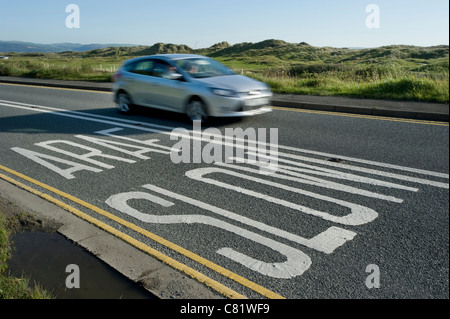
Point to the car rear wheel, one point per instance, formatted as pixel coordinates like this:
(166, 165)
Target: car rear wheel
(124, 103)
(196, 111)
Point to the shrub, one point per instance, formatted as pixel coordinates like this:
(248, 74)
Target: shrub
(4, 70)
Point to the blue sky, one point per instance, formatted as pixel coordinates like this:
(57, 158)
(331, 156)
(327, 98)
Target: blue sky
(202, 23)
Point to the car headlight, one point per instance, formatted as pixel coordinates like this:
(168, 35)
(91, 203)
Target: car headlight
(224, 92)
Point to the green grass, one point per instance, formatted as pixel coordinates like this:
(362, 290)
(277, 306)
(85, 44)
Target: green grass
(20, 288)
(14, 287)
(407, 86)
(60, 68)
(392, 72)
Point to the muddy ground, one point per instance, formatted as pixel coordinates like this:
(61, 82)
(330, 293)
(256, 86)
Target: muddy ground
(17, 220)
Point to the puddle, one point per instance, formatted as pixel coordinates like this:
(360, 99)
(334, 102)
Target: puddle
(43, 258)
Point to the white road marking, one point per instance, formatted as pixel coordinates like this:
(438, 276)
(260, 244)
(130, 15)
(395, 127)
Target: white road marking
(359, 214)
(295, 170)
(161, 129)
(309, 180)
(66, 173)
(92, 152)
(326, 242)
(322, 171)
(296, 264)
(368, 170)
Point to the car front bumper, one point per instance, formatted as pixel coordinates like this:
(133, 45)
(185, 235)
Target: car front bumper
(238, 106)
(261, 110)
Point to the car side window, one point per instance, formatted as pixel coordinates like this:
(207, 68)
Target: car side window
(142, 67)
(162, 69)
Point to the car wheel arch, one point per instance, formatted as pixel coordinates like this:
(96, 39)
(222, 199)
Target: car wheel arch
(130, 103)
(123, 91)
(196, 98)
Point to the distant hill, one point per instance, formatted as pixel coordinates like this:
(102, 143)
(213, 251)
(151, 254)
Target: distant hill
(29, 47)
(273, 53)
(299, 57)
(158, 48)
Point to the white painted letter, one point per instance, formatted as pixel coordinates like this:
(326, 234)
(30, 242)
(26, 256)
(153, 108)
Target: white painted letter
(111, 144)
(359, 214)
(67, 173)
(296, 264)
(85, 157)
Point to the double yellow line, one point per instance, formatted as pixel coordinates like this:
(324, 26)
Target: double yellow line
(362, 116)
(227, 292)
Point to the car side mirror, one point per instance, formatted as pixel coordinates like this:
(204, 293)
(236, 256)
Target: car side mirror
(176, 76)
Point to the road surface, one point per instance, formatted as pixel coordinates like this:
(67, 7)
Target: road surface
(324, 206)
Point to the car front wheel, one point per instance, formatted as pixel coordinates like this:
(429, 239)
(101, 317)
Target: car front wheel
(124, 103)
(196, 111)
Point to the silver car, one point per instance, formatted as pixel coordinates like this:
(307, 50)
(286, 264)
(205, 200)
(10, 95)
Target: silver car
(192, 84)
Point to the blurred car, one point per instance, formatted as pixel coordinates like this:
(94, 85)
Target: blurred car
(192, 84)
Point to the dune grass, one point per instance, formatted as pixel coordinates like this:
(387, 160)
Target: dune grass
(408, 86)
(59, 69)
(394, 72)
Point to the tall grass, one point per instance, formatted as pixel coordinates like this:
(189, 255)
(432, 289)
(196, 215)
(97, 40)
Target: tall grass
(59, 70)
(368, 81)
(397, 79)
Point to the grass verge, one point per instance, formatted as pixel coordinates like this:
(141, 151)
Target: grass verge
(389, 78)
(405, 88)
(13, 287)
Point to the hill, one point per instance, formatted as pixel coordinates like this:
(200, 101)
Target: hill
(268, 53)
(29, 47)
(281, 54)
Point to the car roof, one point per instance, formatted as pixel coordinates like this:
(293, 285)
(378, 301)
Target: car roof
(177, 56)
(167, 57)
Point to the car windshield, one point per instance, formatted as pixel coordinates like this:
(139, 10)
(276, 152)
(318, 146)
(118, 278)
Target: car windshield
(203, 67)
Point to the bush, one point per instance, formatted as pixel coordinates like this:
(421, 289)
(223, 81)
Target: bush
(4, 70)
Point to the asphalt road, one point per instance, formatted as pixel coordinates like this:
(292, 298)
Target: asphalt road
(358, 207)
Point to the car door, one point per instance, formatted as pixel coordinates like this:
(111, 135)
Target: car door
(169, 93)
(141, 84)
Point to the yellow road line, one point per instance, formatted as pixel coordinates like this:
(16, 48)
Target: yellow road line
(371, 117)
(169, 261)
(175, 264)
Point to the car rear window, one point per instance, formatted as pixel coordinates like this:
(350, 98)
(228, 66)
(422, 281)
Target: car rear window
(141, 67)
